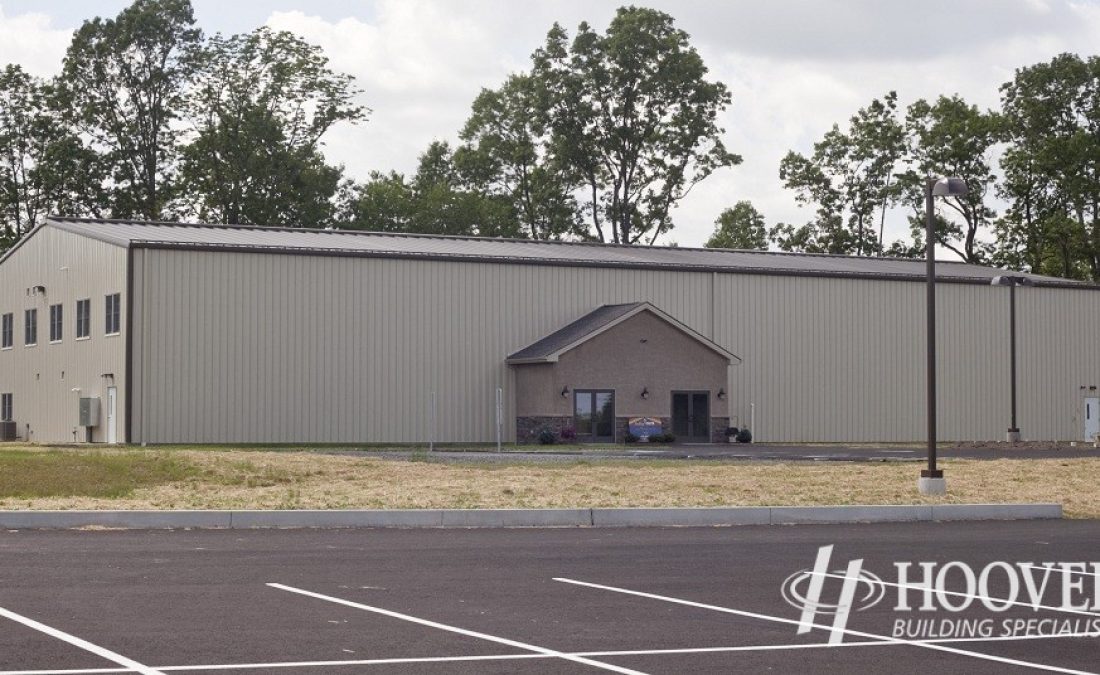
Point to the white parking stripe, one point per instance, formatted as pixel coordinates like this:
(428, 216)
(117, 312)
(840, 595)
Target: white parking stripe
(129, 664)
(509, 657)
(460, 631)
(847, 631)
(1074, 573)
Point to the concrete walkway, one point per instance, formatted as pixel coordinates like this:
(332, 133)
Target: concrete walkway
(730, 452)
(598, 517)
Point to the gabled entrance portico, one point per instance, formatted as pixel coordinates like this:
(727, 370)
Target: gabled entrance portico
(618, 363)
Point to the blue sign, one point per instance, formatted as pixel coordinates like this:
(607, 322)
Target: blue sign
(644, 427)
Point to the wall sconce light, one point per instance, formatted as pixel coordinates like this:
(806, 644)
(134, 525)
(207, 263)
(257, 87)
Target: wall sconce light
(565, 391)
(721, 394)
(645, 392)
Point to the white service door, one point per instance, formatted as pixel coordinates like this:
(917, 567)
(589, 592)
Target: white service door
(112, 427)
(1092, 418)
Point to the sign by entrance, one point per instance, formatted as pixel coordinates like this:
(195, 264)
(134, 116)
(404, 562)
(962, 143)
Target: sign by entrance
(644, 427)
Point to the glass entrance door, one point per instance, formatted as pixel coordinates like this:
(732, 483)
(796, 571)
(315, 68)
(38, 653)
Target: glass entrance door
(594, 415)
(691, 416)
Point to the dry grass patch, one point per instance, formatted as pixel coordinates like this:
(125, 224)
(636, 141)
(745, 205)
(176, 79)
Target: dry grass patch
(270, 480)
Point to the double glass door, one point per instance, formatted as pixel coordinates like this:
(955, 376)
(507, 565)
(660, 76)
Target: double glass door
(691, 416)
(594, 415)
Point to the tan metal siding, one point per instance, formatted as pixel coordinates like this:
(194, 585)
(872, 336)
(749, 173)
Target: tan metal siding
(278, 348)
(844, 360)
(42, 378)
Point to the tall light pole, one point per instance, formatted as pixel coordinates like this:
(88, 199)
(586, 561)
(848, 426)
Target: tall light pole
(1012, 281)
(931, 480)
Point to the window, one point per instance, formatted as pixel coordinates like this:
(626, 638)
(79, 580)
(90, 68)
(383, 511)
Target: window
(7, 330)
(114, 314)
(5, 407)
(83, 318)
(30, 327)
(55, 323)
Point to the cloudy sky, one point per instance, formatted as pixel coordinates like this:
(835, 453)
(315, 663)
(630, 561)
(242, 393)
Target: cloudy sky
(794, 67)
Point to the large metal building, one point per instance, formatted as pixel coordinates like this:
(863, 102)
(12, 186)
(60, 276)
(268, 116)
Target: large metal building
(226, 334)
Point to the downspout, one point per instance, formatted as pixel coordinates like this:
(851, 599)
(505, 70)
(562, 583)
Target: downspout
(713, 303)
(129, 358)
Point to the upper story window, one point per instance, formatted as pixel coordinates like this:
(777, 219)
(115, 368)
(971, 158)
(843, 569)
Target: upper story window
(5, 408)
(83, 318)
(114, 314)
(7, 331)
(56, 322)
(30, 327)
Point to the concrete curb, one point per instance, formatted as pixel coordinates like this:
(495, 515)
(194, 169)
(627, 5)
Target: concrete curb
(458, 518)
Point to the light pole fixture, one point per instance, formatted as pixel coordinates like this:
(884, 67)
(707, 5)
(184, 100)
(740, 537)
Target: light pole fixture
(931, 480)
(1012, 281)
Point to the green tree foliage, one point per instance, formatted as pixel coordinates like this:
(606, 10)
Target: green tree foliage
(44, 167)
(125, 80)
(260, 103)
(849, 178)
(435, 201)
(632, 115)
(1052, 167)
(952, 138)
(740, 227)
(507, 153)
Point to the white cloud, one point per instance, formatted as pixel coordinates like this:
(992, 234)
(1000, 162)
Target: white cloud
(30, 40)
(420, 65)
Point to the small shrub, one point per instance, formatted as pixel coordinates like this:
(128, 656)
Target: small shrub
(630, 438)
(732, 431)
(662, 438)
(744, 436)
(568, 434)
(547, 436)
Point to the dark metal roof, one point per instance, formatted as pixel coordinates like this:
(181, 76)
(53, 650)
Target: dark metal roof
(146, 234)
(547, 349)
(571, 333)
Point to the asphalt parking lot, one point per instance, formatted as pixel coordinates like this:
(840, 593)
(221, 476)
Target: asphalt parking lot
(514, 601)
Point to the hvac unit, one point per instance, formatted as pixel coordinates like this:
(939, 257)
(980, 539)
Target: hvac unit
(8, 431)
(89, 412)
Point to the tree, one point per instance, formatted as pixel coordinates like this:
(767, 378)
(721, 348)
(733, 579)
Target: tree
(384, 203)
(827, 233)
(1052, 167)
(952, 138)
(850, 179)
(631, 113)
(740, 227)
(124, 79)
(44, 167)
(434, 201)
(506, 153)
(261, 103)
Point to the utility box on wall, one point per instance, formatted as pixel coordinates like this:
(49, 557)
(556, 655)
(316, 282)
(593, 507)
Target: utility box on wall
(89, 412)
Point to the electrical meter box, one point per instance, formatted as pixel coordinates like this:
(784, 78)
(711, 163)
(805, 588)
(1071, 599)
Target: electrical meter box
(89, 412)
